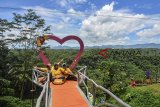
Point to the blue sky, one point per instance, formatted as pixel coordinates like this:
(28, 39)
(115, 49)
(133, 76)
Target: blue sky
(97, 22)
(137, 6)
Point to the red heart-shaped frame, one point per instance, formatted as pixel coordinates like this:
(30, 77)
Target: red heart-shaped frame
(61, 41)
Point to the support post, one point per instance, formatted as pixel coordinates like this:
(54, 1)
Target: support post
(86, 93)
(78, 79)
(94, 94)
(32, 91)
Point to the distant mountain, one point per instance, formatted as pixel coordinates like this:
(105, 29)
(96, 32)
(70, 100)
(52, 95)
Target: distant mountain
(148, 45)
(64, 47)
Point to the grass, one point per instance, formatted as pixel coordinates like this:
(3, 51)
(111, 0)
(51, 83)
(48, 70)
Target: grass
(143, 96)
(155, 88)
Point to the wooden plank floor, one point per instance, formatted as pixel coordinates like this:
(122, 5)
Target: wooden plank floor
(67, 95)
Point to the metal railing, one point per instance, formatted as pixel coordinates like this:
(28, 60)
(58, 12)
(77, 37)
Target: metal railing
(42, 79)
(82, 78)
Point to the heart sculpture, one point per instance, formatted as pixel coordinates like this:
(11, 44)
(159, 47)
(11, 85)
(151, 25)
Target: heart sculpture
(61, 41)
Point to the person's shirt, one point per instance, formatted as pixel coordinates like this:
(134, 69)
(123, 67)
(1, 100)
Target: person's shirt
(55, 73)
(67, 71)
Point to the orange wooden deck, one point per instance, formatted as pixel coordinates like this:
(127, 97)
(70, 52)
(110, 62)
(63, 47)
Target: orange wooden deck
(67, 95)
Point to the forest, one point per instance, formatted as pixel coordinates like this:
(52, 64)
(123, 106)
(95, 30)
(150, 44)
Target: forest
(18, 55)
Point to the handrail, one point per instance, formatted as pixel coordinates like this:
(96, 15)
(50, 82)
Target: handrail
(102, 88)
(45, 91)
(41, 96)
(81, 79)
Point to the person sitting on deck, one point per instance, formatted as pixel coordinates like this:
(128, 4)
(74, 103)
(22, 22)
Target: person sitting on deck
(57, 73)
(68, 73)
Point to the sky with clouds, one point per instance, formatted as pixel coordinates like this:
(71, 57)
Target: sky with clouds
(96, 22)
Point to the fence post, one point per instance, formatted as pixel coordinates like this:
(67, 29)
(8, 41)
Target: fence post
(94, 94)
(85, 73)
(32, 90)
(78, 78)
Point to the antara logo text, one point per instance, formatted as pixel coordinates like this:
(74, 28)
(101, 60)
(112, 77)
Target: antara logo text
(128, 52)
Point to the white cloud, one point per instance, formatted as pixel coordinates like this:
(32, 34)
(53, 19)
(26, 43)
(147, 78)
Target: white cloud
(80, 1)
(61, 21)
(108, 26)
(42, 11)
(53, 14)
(63, 3)
(71, 10)
(93, 6)
(154, 31)
(68, 3)
(76, 14)
(144, 6)
(52, 17)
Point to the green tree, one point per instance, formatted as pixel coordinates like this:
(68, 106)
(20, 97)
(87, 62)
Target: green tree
(5, 88)
(4, 26)
(28, 27)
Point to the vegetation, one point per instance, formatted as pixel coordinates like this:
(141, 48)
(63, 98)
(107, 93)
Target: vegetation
(145, 96)
(113, 73)
(9, 101)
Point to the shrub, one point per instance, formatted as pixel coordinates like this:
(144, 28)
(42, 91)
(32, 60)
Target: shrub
(9, 101)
